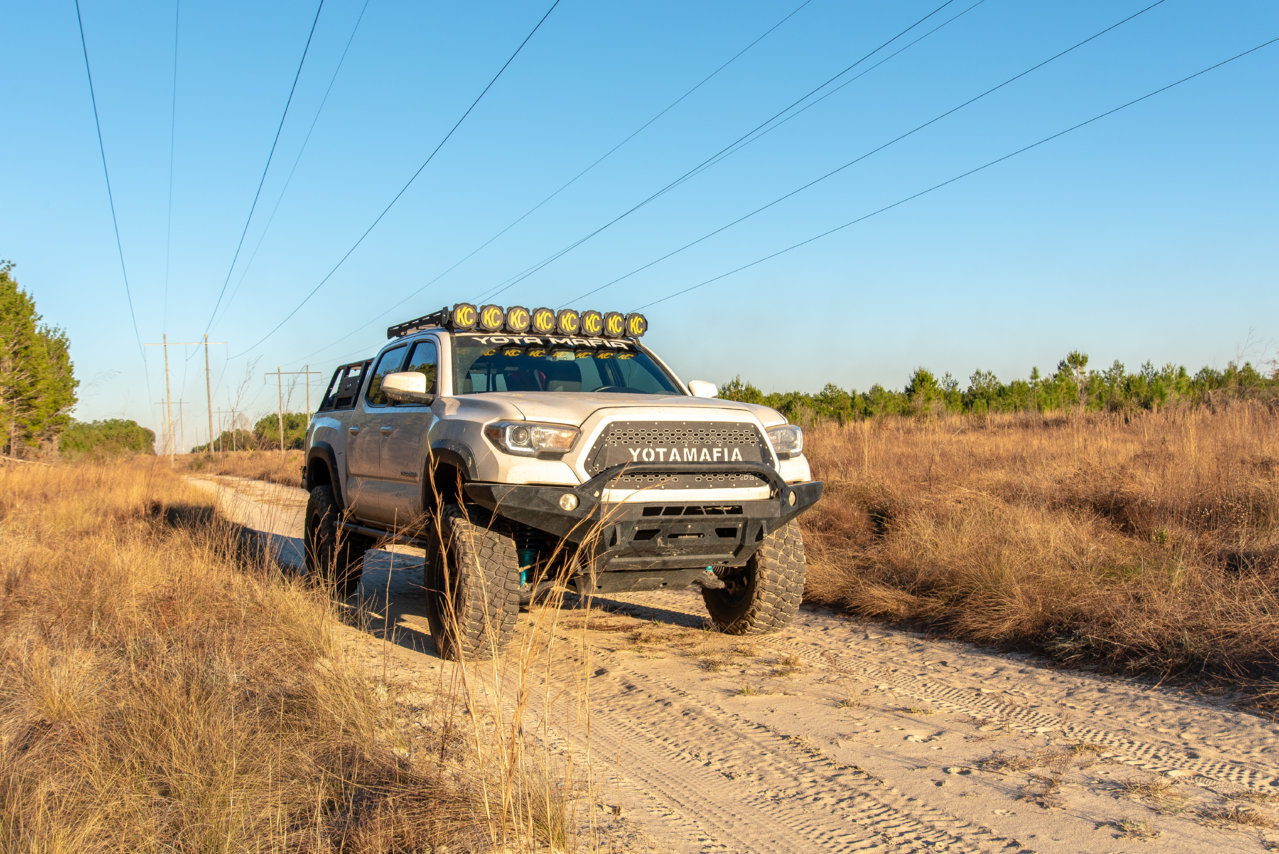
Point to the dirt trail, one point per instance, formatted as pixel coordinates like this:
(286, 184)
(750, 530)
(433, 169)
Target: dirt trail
(837, 735)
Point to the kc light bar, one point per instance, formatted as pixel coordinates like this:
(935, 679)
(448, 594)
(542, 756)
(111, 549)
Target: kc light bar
(465, 317)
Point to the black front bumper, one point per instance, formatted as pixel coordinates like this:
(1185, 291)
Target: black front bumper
(661, 532)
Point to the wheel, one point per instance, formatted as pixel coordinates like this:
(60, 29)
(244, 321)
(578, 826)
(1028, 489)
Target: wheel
(764, 595)
(334, 558)
(472, 580)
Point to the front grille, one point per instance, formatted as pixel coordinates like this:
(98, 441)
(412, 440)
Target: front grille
(681, 443)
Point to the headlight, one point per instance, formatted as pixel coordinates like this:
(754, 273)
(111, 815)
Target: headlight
(787, 440)
(529, 439)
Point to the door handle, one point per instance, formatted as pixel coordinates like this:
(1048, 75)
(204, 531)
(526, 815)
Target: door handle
(386, 431)
(354, 431)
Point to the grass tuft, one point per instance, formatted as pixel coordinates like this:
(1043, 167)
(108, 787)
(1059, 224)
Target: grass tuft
(159, 693)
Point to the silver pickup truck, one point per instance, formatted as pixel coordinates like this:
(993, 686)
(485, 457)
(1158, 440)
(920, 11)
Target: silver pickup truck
(527, 449)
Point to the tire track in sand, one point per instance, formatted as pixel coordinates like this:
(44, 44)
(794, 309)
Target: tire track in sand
(773, 793)
(1168, 759)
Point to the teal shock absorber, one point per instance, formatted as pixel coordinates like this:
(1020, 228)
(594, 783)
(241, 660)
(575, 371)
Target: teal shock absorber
(526, 554)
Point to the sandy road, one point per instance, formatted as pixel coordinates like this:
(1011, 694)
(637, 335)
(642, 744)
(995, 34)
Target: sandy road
(841, 736)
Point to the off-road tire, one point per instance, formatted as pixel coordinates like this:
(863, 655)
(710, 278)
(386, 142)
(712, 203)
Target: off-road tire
(472, 580)
(334, 557)
(764, 595)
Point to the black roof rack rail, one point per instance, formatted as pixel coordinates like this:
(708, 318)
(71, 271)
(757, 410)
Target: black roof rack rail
(426, 321)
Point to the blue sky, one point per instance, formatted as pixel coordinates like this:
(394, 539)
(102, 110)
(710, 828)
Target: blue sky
(1150, 234)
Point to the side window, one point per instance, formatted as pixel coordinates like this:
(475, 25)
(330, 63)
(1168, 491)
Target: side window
(388, 364)
(425, 360)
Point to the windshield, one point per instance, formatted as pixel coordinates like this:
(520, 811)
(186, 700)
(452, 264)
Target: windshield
(488, 363)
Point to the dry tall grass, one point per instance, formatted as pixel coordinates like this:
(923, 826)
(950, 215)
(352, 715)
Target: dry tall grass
(1148, 543)
(157, 693)
(271, 466)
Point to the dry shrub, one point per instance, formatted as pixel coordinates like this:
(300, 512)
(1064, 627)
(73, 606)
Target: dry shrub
(1147, 542)
(156, 695)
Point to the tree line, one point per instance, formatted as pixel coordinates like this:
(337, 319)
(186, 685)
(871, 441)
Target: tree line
(1073, 386)
(264, 435)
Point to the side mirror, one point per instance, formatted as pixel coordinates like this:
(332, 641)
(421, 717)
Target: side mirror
(701, 388)
(406, 387)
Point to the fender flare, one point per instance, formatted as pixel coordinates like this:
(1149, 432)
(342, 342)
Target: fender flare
(448, 453)
(324, 453)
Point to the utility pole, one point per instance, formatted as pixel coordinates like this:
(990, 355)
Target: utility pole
(181, 438)
(168, 409)
(306, 373)
(208, 389)
(230, 412)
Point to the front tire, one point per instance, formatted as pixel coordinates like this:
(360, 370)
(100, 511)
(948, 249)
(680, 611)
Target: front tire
(334, 557)
(472, 580)
(764, 595)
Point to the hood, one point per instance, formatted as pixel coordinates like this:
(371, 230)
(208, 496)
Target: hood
(574, 408)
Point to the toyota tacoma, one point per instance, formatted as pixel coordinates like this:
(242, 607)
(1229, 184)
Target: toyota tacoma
(523, 449)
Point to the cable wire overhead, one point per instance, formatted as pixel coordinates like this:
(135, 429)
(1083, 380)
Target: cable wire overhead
(301, 150)
(115, 222)
(265, 168)
(872, 152)
(519, 277)
(403, 189)
(173, 115)
(961, 176)
(672, 105)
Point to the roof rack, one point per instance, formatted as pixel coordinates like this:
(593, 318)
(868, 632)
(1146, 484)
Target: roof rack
(426, 321)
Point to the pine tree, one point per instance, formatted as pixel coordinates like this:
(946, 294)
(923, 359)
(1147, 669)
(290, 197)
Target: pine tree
(37, 381)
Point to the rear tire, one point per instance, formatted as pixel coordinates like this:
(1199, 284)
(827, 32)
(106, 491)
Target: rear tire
(334, 557)
(472, 580)
(764, 595)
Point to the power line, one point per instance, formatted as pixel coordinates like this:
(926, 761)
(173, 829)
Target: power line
(265, 168)
(173, 114)
(873, 151)
(580, 174)
(519, 277)
(110, 197)
(612, 150)
(324, 100)
(406, 186)
(813, 103)
(961, 176)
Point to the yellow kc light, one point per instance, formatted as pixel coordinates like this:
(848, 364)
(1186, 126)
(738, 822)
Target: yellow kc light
(464, 316)
(543, 321)
(491, 318)
(614, 325)
(517, 319)
(593, 323)
(567, 321)
(636, 325)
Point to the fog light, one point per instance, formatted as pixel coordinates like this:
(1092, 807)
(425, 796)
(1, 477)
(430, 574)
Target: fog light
(568, 502)
(790, 499)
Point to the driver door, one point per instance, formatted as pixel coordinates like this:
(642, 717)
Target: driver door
(367, 432)
(406, 449)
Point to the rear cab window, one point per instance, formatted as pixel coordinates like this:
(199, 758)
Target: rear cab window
(344, 388)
